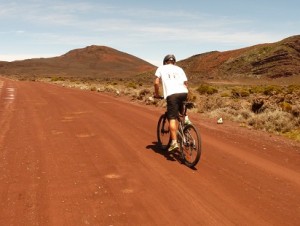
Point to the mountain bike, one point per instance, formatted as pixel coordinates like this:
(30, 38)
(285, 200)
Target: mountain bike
(188, 137)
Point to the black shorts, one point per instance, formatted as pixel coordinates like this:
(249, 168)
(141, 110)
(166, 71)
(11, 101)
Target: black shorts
(174, 104)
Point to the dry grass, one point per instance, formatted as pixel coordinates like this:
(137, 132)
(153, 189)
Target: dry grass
(275, 109)
(271, 109)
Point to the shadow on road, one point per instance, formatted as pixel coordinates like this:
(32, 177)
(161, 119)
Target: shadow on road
(155, 147)
(174, 156)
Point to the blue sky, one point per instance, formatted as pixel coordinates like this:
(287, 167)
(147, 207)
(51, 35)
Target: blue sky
(145, 29)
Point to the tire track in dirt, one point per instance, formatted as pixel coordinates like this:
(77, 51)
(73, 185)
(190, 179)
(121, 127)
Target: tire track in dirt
(6, 107)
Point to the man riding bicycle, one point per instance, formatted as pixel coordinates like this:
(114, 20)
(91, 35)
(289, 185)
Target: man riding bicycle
(174, 83)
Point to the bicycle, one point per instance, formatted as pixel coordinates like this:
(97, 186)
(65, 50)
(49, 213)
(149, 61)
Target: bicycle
(188, 137)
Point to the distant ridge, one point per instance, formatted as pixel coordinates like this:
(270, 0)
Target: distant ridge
(264, 61)
(92, 61)
(279, 61)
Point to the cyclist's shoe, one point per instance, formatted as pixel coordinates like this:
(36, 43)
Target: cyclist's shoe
(187, 121)
(173, 147)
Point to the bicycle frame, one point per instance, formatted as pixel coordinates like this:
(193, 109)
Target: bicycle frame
(187, 135)
(180, 127)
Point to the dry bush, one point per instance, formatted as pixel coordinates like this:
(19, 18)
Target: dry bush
(209, 103)
(93, 88)
(257, 105)
(296, 111)
(192, 95)
(273, 121)
(231, 114)
(144, 92)
(226, 113)
(268, 108)
(132, 85)
(293, 89)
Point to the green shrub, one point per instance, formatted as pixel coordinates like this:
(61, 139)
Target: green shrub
(132, 85)
(266, 90)
(240, 92)
(144, 92)
(293, 89)
(256, 89)
(271, 90)
(294, 134)
(57, 78)
(191, 96)
(286, 106)
(225, 94)
(207, 89)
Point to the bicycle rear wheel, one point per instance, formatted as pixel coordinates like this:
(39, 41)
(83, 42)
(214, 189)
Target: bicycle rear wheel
(163, 132)
(191, 148)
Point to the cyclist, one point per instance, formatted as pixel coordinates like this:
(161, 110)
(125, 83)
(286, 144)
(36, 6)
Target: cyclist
(174, 83)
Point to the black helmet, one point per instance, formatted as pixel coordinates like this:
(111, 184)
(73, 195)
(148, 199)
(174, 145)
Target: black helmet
(169, 57)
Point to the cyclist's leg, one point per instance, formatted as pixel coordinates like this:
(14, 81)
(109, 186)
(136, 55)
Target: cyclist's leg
(173, 128)
(174, 105)
(172, 114)
(181, 98)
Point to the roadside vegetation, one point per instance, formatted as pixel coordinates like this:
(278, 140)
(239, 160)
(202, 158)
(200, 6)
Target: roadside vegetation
(270, 108)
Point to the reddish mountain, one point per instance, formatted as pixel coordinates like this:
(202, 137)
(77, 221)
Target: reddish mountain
(92, 61)
(265, 61)
(279, 61)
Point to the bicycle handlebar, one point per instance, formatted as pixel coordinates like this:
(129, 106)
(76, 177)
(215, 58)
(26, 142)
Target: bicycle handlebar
(158, 97)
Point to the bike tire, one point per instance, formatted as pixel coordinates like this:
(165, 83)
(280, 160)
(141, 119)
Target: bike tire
(163, 132)
(191, 150)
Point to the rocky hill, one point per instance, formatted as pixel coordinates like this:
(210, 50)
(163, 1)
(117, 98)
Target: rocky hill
(277, 62)
(264, 61)
(92, 62)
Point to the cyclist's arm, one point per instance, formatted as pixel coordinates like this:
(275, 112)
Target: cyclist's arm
(156, 86)
(186, 84)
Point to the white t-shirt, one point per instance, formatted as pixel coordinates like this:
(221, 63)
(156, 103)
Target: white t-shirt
(173, 78)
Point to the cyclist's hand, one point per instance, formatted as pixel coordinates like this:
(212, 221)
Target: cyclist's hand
(158, 97)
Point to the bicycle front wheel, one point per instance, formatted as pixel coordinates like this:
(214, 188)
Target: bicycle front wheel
(191, 146)
(163, 132)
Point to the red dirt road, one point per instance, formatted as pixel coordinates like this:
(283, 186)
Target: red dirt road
(72, 157)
